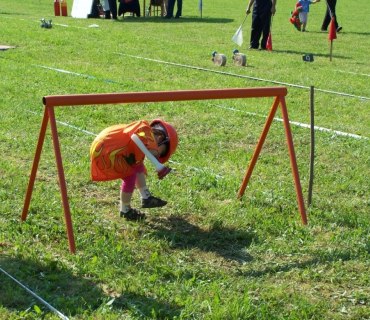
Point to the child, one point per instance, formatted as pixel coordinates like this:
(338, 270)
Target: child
(115, 155)
(295, 17)
(303, 14)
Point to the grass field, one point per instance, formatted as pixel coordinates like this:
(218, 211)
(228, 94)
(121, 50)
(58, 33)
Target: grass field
(206, 255)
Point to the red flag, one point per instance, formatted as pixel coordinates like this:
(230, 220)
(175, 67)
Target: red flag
(269, 42)
(332, 30)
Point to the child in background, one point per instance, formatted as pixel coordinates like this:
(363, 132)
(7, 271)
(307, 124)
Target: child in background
(115, 155)
(303, 14)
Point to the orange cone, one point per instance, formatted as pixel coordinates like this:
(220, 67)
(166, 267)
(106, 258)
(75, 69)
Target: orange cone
(269, 42)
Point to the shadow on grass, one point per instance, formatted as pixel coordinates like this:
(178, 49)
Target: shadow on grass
(322, 257)
(314, 54)
(146, 307)
(130, 19)
(230, 243)
(69, 294)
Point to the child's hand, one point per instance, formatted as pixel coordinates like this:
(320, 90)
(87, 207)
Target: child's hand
(162, 173)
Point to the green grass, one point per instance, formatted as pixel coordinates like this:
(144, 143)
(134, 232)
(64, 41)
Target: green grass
(206, 255)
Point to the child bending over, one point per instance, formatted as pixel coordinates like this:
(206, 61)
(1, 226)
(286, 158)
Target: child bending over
(118, 152)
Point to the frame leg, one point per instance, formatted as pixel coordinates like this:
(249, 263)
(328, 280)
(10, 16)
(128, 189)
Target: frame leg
(258, 147)
(62, 181)
(293, 161)
(35, 165)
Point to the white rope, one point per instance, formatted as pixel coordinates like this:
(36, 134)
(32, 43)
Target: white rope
(355, 73)
(49, 306)
(244, 76)
(300, 124)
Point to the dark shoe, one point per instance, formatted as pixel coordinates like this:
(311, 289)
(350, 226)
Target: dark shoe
(253, 48)
(167, 17)
(132, 215)
(324, 29)
(152, 202)
(339, 29)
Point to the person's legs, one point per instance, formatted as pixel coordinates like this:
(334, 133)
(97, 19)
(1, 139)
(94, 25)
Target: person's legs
(127, 188)
(256, 31)
(147, 200)
(330, 10)
(140, 182)
(179, 9)
(113, 8)
(326, 20)
(138, 179)
(125, 208)
(170, 7)
(303, 18)
(266, 20)
(333, 4)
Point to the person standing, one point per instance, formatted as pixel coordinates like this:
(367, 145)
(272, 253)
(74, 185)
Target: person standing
(303, 14)
(330, 11)
(263, 10)
(170, 8)
(112, 12)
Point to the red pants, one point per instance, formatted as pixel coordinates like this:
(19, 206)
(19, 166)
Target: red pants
(128, 183)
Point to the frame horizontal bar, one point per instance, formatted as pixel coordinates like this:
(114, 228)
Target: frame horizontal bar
(157, 96)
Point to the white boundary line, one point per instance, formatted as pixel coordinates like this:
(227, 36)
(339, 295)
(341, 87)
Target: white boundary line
(244, 76)
(73, 73)
(300, 124)
(355, 73)
(49, 306)
(66, 124)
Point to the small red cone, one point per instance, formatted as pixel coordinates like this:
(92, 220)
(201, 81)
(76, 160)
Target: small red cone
(332, 30)
(269, 42)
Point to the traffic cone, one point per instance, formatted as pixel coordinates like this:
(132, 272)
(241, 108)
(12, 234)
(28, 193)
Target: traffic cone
(269, 42)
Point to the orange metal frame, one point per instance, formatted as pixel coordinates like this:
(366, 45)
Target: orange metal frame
(50, 102)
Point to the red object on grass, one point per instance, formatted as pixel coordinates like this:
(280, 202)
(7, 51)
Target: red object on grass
(56, 8)
(332, 30)
(63, 7)
(269, 42)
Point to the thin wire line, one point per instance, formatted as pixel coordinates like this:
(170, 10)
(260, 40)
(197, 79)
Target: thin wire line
(244, 76)
(48, 305)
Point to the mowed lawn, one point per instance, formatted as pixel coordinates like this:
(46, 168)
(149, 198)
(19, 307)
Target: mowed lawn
(207, 254)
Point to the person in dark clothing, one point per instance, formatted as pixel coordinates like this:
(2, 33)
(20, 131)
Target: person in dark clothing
(129, 6)
(261, 21)
(170, 8)
(112, 12)
(330, 11)
(95, 9)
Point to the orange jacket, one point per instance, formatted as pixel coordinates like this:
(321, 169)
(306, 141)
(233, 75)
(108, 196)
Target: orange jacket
(113, 154)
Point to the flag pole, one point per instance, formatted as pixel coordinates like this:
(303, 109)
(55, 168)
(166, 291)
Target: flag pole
(331, 49)
(200, 7)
